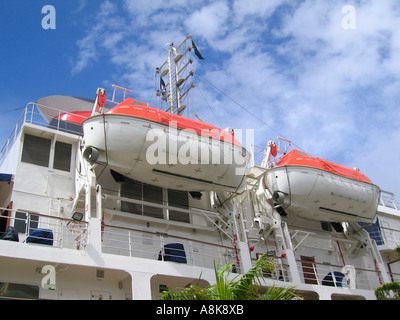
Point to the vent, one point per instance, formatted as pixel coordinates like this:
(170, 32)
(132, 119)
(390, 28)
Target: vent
(99, 274)
(36, 150)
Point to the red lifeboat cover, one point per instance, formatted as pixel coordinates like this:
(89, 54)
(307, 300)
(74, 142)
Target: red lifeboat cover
(299, 158)
(135, 108)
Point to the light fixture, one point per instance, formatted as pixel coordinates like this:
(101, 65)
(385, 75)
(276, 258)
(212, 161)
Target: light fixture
(77, 216)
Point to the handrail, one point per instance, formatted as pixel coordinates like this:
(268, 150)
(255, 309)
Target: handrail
(64, 235)
(173, 236)
(136, 243)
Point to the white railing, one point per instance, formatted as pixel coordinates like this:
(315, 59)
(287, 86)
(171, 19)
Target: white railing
(388, 200)
(334, 276)
(384, 236)
(62, 233)
(152, 245)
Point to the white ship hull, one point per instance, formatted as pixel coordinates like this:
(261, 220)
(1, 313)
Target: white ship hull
(157, 154)
(321, 195)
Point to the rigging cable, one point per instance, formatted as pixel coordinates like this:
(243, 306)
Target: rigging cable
(4, 112)
(249, 112)
(212, 110)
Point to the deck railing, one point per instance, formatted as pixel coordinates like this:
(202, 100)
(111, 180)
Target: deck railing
(60, 232)
(157, 246)
(335, 275)
(388, 199)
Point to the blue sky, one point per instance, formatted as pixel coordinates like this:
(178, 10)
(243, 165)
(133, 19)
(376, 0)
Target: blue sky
(333, 90)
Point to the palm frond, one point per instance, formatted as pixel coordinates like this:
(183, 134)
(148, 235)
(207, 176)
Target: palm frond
(247, 287)
(388, 290)
(276, 293)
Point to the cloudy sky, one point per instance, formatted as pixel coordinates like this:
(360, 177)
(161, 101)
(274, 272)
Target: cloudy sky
(324, 74)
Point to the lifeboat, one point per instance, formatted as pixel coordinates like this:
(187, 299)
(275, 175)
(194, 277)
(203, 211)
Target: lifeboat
(164, 149)
(320, 190)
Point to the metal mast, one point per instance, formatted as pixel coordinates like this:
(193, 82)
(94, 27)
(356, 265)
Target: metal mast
(175, 89)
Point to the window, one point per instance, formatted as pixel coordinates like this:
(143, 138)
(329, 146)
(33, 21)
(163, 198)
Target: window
(178, 199)
(141, 191)
(21, 220)
(17, 290)
(374, 231)
(145, 192)
(155, 195)
(62, 156)
(36, 150)
(133, 190)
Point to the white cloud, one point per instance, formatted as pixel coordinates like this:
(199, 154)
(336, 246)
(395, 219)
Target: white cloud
(252, 8)
(210, 21)
(104, 33)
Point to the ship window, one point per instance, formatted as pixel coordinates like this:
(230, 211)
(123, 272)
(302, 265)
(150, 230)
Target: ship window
(144, 192)
(132, 190)
(36, 150)
(62, 156)
(155, 195)
(18, 291)
(21, 222)
(178, 199)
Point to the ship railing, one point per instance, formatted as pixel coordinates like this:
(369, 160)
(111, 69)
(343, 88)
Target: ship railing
(384, 237)
(388, 200)
(36, 228)
(33, 115)
(167, 247)
(257, 155)
(395, 276)
(323, 274)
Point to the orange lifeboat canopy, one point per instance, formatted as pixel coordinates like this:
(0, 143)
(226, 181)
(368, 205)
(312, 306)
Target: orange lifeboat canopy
(300, 158)
(139, 109)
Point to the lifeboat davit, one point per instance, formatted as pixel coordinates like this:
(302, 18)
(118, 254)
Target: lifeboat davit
(320, 190)
(164, 149)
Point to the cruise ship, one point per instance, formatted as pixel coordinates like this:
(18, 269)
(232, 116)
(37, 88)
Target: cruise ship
(111, 199)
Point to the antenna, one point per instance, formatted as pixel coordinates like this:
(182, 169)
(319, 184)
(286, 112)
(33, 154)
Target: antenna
(176, 67)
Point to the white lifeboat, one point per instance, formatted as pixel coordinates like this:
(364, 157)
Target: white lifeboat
(320, 190)
(164, 149)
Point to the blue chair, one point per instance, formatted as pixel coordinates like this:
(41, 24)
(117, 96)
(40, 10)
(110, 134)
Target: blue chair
(42, 236)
